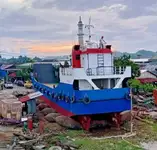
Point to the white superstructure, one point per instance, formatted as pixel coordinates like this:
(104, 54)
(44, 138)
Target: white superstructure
(92, 66)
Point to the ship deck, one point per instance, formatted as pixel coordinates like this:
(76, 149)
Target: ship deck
(51, 85)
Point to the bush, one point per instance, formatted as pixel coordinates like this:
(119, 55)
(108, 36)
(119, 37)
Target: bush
(137, 86)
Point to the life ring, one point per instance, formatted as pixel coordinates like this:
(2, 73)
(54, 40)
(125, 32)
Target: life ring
(127, 96)
(48, 93)
(86, 100)
(63, 97)
(73, 99)
(44, 91)
(60, 96)
(56, 96)
(67, 99)
(52, 95)
(41, 89)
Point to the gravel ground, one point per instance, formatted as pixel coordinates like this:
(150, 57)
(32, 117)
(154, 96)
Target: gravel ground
(6, 132)
(15, 88)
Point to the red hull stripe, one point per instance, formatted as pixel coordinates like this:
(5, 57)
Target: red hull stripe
(96, 50)
(57, 108)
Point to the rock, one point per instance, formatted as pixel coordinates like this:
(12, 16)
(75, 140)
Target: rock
(39, 116)
(41, 106)
(153, 115)
(68, 122)
(46, 111)
(55, 148)
(39, 101)
(52, 127)
(51, 117)
(39, 147)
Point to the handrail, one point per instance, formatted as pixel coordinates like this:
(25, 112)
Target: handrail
(66, 71)
(105, 70)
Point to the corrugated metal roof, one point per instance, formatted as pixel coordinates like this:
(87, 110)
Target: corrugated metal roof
(147, 80)
(24, 65)
(6, 66)
(140, 60)
(154, 72)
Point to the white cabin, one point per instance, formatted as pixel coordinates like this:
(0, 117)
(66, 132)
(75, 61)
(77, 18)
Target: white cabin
(92, 66)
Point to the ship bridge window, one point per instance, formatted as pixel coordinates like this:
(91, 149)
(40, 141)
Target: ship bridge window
(77, 57)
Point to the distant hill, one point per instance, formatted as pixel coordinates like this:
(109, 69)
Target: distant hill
(138, 54)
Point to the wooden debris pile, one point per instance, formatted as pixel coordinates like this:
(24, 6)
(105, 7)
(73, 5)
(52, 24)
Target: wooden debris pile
(144, 99)
(35, 141)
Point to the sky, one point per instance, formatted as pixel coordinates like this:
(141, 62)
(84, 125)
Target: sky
(49, 27)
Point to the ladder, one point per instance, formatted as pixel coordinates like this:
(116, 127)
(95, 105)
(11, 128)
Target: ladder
(100, 62)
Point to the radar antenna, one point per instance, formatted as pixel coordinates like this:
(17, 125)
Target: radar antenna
(89, 26)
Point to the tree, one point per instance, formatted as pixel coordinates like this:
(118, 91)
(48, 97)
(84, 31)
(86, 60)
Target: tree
(124, 61)
(24, 73)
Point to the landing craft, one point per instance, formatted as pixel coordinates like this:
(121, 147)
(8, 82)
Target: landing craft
(91, 87)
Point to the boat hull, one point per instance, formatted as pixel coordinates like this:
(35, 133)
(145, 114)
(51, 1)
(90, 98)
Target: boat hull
(69, 102)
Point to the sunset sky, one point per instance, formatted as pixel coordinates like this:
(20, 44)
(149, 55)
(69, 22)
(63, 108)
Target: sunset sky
(49, 27)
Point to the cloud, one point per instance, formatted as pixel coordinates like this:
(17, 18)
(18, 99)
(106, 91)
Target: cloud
(41, 24)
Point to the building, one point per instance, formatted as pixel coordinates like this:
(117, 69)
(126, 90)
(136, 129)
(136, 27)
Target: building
(46, 72)
(142, 62)
(148, 74)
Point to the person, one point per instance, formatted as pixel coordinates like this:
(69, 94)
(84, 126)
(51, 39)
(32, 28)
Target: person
(101, 43)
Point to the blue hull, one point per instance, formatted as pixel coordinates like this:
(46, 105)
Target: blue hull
(70, 102)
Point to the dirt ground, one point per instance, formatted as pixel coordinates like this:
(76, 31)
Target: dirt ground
(146, 135)
(6, 132)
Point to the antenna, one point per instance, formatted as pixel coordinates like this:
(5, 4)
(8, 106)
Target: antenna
(89, 26)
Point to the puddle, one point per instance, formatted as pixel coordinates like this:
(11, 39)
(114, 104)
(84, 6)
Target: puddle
(149, 145)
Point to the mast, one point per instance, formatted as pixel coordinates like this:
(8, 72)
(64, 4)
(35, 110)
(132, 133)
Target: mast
(89, 26)
(80, 33)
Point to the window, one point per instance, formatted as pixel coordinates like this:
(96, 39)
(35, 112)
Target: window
(77, 57)
(76, 85)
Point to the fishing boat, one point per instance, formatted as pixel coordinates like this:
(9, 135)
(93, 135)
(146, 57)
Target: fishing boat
(92, 87)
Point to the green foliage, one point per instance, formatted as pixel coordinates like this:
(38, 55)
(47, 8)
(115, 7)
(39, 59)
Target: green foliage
(133, 83)
(147, 87)
(124, 61)
(25, 73)
(19, 60)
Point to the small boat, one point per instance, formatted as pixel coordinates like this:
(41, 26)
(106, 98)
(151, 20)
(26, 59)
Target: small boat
(92, 86)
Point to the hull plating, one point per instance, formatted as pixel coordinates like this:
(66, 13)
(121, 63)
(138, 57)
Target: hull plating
(70, 102)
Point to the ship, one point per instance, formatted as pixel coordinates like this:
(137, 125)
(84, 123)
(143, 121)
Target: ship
(91, 87)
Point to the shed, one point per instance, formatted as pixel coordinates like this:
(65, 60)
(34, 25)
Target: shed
(30, 102)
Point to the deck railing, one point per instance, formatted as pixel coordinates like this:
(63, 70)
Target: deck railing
(105, 70)
(66, 71)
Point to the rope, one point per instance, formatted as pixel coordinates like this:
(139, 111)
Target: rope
(127, 135)
(115, 136)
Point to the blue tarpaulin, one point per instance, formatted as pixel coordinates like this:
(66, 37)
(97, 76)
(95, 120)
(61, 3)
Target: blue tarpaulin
(3, 73)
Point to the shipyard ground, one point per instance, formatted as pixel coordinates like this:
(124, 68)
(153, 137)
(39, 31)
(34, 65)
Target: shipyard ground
(145, 133)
